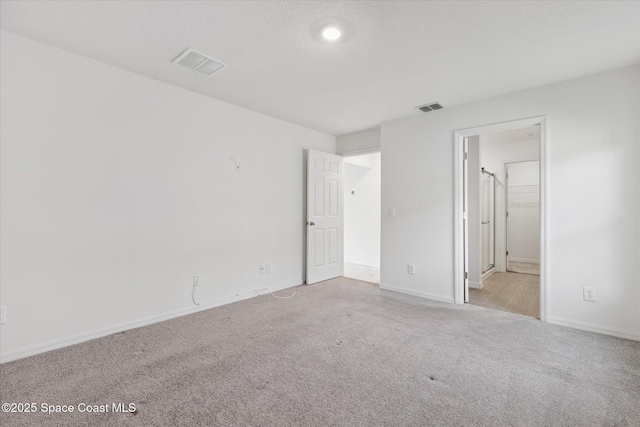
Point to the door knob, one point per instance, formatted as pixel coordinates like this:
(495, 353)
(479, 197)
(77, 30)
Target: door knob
(312, 223)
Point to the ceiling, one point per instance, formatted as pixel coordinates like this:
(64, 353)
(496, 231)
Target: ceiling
(394, 55)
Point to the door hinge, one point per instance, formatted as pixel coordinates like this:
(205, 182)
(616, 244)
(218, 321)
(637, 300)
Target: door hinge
(466, 275)
(507, 252)
(507, 214)
(466, 155)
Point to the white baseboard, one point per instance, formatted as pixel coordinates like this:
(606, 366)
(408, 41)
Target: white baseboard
(529, 261)
(426, 295)
(592, 328)
(103, 332)
(475, 285)
(488, 274)
(362, 263)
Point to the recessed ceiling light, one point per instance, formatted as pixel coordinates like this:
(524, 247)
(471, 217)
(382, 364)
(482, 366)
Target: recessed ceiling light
(331, 33)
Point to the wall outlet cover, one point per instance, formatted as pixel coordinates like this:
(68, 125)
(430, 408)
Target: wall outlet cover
(589, 293)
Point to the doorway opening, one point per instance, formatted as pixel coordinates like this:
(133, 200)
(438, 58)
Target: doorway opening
(523, 217)
(510, 194)
(362, 204)
(500, 211)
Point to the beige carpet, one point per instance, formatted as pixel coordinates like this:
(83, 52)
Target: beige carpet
(339, 353)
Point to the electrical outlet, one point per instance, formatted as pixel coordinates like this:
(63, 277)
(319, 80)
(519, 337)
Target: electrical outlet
(391, 212)
(411, 268)
(3, 315)
(589, 293)
(261, 269)
(267, 267)
(196, 281)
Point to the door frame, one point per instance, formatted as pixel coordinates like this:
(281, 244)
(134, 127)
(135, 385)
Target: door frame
(460, 243)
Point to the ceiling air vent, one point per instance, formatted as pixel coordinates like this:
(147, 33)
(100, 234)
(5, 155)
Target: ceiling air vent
(429, 107)
(199, 62)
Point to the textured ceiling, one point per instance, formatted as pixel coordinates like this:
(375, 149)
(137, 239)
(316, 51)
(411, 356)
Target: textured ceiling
(394, 55)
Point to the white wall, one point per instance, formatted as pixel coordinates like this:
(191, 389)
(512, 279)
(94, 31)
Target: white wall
(593, 206)
(493, 157)
(366, 141)
(117, 189)
(362, 209)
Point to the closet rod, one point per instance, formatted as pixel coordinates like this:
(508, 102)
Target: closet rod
(487, 172)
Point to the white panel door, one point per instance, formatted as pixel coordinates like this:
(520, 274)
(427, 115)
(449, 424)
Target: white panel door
(523, 212)
(324, 217)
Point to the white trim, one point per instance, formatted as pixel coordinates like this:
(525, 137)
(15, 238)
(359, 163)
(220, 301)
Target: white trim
(592, 328)
(465, 214)
(458, 140)
(544, 191)
(488, 274)
(103, 332)
(458, 206)
(528, 261)
(361, 263)
(361, 152)
(420, 294)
